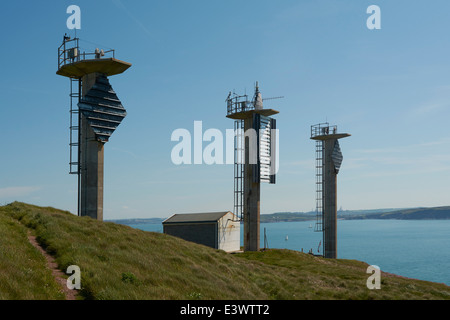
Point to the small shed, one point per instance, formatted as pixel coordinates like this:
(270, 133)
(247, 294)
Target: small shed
(219, 230)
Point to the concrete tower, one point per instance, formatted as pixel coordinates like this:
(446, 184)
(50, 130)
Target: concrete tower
(328, 163)
(254, 159)
(99, 112)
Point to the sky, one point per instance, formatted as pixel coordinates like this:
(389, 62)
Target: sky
(389, 88)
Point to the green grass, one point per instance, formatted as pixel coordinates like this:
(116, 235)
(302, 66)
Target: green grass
(119, 262)
(23, 272)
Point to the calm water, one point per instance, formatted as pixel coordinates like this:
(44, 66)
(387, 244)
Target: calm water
(416, 249)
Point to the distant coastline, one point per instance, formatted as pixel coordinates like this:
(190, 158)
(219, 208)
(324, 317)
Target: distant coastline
(434, 213)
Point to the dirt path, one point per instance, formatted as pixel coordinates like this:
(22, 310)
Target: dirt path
(52, 265)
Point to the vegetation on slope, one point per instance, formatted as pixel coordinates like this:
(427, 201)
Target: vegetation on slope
(119, 262)
(23, 269)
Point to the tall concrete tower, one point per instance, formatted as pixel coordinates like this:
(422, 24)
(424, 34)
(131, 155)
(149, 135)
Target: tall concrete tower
(95, 112)
(328, 163)
(255, 159)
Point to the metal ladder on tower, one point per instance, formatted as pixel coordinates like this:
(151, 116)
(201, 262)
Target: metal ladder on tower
(74, 133)
(239, 158)
(74, 128)
(319, 187)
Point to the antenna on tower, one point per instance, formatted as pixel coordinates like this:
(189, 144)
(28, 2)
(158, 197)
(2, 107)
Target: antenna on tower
(273, 98)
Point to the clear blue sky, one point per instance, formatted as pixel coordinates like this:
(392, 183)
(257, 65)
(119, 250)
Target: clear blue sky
(388, 88)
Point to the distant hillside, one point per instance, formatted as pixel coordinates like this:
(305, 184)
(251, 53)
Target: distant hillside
(138, 221)
(311, 215)
(436, 213)
(287, 217)
(119, 263)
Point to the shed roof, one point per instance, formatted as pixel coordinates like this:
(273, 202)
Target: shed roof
(196, 217)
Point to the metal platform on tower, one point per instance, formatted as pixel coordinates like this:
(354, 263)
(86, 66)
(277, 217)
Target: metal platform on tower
(73, 63)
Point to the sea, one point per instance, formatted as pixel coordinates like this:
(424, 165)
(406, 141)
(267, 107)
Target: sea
(418, 249)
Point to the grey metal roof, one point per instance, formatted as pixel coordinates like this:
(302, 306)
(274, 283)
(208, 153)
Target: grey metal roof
(195, 217)
(102, 108)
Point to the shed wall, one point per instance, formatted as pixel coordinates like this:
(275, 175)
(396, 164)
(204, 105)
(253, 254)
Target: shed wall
(202, 233)
(229, 233)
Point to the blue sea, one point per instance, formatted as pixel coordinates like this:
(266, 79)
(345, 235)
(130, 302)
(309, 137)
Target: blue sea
(417, 249)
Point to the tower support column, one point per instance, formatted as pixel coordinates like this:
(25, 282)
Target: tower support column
(91, 162)
(329, 201)
(252, 193)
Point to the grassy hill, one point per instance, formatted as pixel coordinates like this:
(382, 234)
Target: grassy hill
(119, 262)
